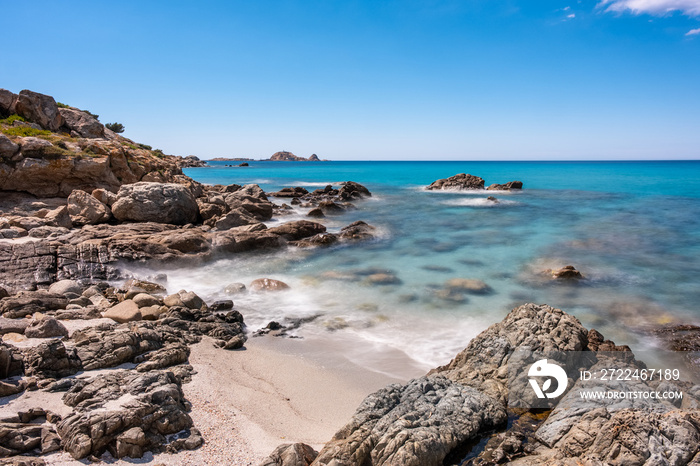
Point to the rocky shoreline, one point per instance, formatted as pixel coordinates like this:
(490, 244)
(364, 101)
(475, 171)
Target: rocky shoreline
(88, 367)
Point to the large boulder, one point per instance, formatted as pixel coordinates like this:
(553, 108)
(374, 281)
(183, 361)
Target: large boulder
(460, 181)
(40, 109)
(126, 311)
(82, 123)
(48, 327)
(156, 202)
(8, 100)
(84, 209)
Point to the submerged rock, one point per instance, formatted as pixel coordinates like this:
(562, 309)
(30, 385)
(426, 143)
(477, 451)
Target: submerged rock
(268, 284)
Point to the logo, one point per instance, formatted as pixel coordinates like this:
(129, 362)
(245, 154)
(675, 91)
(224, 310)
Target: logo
(552, 371)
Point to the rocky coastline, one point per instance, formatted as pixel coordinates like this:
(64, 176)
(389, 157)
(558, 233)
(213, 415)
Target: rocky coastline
(93, 360)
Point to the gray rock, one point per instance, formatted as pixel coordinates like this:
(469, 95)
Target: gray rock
(156, 202)
(26, 303)
(8, 101)
(351, 190)
(235, 218)
(66, 286)
(235, 288)
(414, 424)
(223, 305)
(13, 325)
(34, 147)
(48, 327)
(357, 231)
(144, 300)
(7, 147)
(40, 109)
(84, 209)
(82, 123)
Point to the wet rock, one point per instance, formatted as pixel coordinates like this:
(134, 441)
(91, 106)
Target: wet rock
(468, 285)
(383, 279)
(297, 230)
(290, 192)
(47, 327)
(506, 187)
(84, 209)
(321, 239)
(291, 454)
(414, 424)
(330, 208)
(236, 218)
(156, 202)
(315, 213)
(222, 305)
(568, 272)
(460, 181)
(51, 360)
(357, 231)
(126, 311)
(235, 288)
(268, 284)
(146, 286)
(351, 190)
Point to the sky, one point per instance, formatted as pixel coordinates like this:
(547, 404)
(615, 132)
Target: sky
(372, 79)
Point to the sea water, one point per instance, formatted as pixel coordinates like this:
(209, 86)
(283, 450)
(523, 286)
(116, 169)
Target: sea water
(631, 228)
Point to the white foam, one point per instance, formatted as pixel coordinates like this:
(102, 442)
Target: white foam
(471, 202)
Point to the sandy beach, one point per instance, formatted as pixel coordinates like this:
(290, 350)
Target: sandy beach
(249, 401)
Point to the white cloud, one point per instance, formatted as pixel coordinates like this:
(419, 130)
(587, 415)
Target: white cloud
(566, 8)
(572, 15)
(653, 7)
(693, 32)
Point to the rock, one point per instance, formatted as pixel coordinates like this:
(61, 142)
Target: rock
(222, 305)
(298, 229)
(37, 147)
(506, 187)
(13, 326)
(567, 272)
(416, 424)
(51, 360)
(8, 100)
(126, 311)
(235, 218)
(48, 327)
(26, 303)
(106, 197)
(173, 300)
(235, 288)
(65, 286)
(290, 192)
(460, 181)
(40, 109)
(190, 299)
(253, 199)
(82, 123)
(113, 410)
(383, 279)
(468, 285)
(357, 231)
(152, 312)
(351, 190)
(315, 213)
(155, 202)
(86, 210)
(144, 300)
(291, 454)
(236, 342)
(321, 239)
(11, 362)
(3, 293)
(330, 208)
(7, 147)
(48, 232)
(59, 217)
(148, 287)
(268, 284)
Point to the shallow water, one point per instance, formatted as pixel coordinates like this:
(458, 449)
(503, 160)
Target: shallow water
(631, 228)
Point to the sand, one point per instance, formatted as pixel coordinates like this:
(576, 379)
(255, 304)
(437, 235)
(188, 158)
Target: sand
(247, 402)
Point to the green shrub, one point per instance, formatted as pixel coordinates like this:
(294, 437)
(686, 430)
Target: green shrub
(25, 131)
(145, 146)
(116, 127)
(11, 119)
(158, 153)
(62, 105)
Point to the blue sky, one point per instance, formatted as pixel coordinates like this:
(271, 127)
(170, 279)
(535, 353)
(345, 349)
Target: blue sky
(363, 80)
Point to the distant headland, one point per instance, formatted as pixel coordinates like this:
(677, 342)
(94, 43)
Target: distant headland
(281, 156)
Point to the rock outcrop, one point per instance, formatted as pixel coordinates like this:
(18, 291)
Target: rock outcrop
(463, 181)
(156, 202)
(284, 156)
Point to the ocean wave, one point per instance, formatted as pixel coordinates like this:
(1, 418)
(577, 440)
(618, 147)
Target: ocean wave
(481, 202)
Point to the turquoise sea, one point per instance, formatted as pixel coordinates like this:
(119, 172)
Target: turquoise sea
(631, 228)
